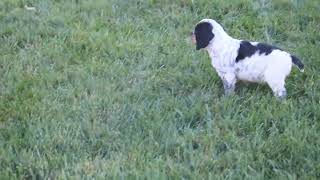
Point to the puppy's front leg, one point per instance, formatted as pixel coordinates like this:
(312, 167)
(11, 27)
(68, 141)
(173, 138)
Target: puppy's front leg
(229, 83)
(228, 88)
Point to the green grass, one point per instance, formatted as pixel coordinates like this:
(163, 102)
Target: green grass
(114, 89)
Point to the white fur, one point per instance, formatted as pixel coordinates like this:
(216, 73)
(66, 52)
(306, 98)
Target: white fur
(271, 69)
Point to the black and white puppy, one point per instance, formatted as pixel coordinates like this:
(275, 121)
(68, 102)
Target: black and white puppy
(235, 59)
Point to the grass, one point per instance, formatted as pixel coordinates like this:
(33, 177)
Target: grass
(115, 90)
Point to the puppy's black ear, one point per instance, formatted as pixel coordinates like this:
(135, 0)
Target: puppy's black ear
(204, 35)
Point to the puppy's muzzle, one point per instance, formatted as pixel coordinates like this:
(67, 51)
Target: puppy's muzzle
(193, 38)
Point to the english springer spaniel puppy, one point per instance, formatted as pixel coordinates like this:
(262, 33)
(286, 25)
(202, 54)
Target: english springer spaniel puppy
(235, 59)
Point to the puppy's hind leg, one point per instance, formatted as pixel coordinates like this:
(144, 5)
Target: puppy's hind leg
(276, 76)
(278, 87)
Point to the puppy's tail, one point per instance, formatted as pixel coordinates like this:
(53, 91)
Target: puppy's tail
(296, 61)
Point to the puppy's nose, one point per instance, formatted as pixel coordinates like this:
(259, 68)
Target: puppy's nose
(193, 37)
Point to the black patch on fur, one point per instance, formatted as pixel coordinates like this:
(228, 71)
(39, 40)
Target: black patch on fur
(204, 35)
(296, 61)
(265, 48)
(246, 49)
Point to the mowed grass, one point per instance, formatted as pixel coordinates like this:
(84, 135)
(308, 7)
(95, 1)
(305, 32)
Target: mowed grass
(115, 89)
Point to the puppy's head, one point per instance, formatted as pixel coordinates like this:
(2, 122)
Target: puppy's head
(202, 34)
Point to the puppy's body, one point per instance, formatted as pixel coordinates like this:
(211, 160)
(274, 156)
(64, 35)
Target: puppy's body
(236, 59)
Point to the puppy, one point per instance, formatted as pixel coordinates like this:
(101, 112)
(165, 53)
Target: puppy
(235, 59)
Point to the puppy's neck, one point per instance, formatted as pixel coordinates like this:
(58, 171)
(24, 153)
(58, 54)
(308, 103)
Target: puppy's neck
(220, 45)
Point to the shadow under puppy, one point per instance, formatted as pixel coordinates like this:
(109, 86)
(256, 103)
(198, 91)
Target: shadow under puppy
(235, 59)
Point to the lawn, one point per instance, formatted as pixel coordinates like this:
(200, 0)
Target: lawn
(114, 89)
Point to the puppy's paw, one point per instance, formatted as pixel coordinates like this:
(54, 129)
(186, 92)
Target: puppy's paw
(281, 95)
